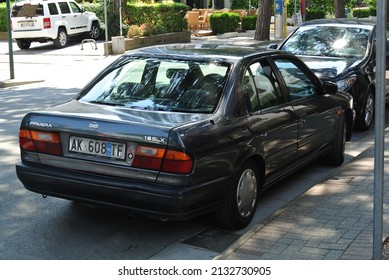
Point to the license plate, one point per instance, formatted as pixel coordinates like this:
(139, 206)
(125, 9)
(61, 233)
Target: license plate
(27, 24)
(109, 149)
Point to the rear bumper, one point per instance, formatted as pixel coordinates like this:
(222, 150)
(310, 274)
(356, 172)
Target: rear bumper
(41, 34)
(168, 202)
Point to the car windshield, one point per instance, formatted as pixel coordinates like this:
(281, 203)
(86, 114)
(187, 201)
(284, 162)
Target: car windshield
(329, 40)
(161, 84)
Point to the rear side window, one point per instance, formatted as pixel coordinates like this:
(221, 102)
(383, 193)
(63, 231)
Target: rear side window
(52, 8)
(27, 11)
(298, 83)
(64, 7)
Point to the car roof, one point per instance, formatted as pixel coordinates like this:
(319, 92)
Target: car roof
(202, 51)
(347, 21)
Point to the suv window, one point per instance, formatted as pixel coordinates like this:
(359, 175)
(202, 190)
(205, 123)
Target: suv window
(64, 7)
(52, 8)
(27, 11)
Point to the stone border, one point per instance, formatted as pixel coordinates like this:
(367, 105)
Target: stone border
(160, 39)
(134, 43)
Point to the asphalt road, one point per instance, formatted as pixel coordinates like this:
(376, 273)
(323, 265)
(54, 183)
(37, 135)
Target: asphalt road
(33, 227)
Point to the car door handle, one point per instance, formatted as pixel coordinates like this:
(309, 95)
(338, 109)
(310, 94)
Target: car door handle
(302, 119)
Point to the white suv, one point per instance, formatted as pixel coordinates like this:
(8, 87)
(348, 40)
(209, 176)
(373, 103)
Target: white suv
(51, 20)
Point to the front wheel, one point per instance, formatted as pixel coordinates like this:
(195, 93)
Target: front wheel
(94, 32)
(239, 206)
(62, 39)
(364, 121)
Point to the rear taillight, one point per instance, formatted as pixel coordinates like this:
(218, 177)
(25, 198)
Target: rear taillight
(41, 142)
(177, 162)
(46, 23)
(160, 159)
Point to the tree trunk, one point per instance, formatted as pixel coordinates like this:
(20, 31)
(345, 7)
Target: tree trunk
(262, 31)
(340, 7)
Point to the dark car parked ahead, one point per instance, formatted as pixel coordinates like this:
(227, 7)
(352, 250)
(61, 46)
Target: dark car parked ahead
(342, 51)
(181, 130)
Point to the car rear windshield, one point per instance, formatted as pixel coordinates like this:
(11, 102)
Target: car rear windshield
(27, 10)
(328, 40)
(161, 84)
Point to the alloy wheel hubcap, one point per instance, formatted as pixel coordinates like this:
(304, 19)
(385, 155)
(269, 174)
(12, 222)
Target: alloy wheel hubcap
(246, 194)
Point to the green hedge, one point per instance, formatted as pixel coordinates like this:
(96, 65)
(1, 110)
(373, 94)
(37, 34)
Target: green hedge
(165, 17)
(3, 18)
(249, 22)
(315, 14)
(224, 22)
(361, 12)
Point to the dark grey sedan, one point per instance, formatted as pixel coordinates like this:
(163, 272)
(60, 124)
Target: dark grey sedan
(178, 131)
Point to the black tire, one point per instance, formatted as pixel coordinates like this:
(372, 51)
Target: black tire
(366, 118)
(240, 204)
(335, 155)
(62, 39)
(94, 32)
(23, 44)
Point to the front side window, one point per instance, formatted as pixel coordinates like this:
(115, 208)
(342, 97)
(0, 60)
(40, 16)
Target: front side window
(299, 85)
(161, 84)
(74, 7)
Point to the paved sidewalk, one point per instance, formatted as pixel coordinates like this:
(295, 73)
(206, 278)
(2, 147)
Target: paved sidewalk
(331, 221)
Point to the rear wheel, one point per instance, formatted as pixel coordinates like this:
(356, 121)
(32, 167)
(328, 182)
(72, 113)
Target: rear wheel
(62, 39)
(364, 121)
(23, 44)
(239, 206)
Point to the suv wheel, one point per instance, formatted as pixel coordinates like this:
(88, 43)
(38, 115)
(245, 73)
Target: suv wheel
(94, 32)
(23, 44)
(62, 39)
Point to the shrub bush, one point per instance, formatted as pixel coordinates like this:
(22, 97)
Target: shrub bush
(165, 17)
(3, 19)
(315, 14)
(224, 22)
(249, 22)
(361, 12)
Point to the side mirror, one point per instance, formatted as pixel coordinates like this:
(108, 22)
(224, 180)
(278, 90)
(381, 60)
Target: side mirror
(330, 87)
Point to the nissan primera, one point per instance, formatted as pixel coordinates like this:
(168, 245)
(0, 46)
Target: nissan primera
(178, 131)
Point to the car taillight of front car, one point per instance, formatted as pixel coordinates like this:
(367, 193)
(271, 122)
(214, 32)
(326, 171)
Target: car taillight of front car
(40, 142)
